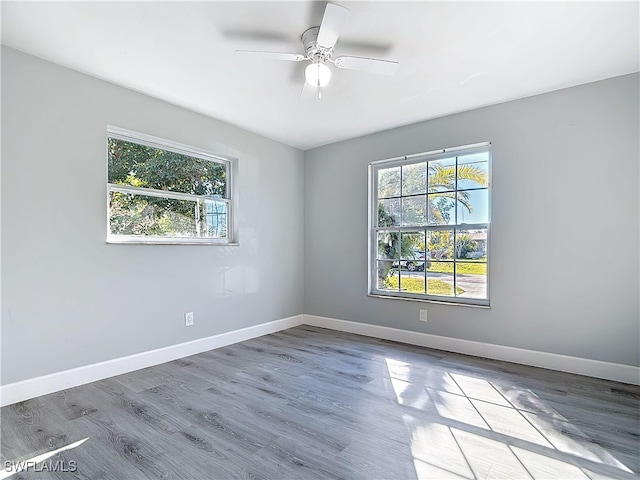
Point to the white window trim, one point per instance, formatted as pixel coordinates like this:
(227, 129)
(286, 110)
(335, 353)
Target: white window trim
(231, 199)
(372, 246)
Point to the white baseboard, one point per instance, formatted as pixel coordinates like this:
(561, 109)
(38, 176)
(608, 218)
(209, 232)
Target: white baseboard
(563, 363)
(34, 387)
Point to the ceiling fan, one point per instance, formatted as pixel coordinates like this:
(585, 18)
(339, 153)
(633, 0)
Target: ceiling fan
(319, 43)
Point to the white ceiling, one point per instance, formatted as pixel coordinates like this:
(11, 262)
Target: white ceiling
(453, 56)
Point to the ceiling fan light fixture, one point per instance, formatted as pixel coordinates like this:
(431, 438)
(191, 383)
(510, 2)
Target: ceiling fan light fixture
(317, 74)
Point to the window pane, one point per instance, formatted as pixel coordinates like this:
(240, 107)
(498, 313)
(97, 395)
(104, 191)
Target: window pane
(412, 262)
(148, 167)
(134, 214)
(473, 206)
(414, 179)
(412, 281)
(414, 210)
(440, 279)
(214, 221)
(412, 251)
(440, 245)
(389, 182)
(473, 170)
(471, 277)
(471, 244)
(441, 208)
(442, 175)
(388, 245)
(387, 276)
(389, 212)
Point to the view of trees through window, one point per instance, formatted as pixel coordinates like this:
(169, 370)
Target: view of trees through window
(431, 226)
(159, 193)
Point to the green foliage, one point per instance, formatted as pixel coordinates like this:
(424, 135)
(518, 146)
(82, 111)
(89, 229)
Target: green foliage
(442, 180)
(390, 245)
(440, 244)
(385, 218)
(464, 245)
(389, 182)
(142, 166)
(137, 165)
(135, 215)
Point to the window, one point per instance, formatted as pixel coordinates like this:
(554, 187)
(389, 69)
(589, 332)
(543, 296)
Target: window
(430, 226)
(164, 192)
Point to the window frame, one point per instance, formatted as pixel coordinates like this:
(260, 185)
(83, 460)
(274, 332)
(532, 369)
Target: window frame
(373, 228)
(230, 198)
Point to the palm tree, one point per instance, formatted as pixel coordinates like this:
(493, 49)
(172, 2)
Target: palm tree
(441, 182)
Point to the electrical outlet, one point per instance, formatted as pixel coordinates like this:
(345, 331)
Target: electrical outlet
(188, 319)
(423, 315)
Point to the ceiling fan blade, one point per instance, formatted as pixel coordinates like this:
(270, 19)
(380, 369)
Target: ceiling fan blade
(333, 20)
(291, 57)
(371, 65)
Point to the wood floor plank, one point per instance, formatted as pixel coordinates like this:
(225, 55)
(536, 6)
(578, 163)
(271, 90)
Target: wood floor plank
(313, 403)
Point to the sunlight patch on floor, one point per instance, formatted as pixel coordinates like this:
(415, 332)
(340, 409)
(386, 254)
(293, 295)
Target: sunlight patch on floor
(543, 466)
(525, 437)
(489, 458)
(456, 407)
(479, 389)
(569, 439)
(509, 421)
(435, 449)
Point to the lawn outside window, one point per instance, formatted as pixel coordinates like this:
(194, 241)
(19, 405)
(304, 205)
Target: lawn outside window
(429, 226)
(159, 191)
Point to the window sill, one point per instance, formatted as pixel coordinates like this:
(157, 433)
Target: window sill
(429, 300)
(170, 241)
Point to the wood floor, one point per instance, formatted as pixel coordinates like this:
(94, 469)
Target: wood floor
(313, 403)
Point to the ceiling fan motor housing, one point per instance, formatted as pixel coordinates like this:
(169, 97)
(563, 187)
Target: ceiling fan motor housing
(311, 47)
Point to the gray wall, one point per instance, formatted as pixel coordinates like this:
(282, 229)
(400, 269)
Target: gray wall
(68, 298)
(564, 267)
(565, 230)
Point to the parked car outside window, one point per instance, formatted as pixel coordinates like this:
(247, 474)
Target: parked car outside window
(414, 262)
